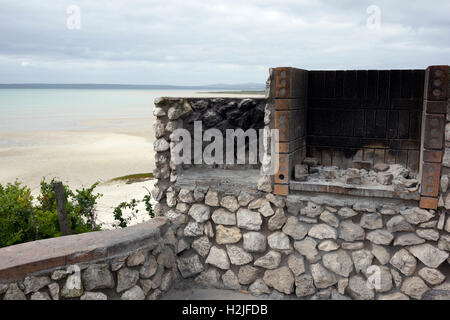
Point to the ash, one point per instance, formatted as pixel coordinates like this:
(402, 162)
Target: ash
(397, 176)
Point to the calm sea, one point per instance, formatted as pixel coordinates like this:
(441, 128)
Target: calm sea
(66, 109)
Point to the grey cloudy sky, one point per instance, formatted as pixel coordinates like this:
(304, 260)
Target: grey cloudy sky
(191, 42)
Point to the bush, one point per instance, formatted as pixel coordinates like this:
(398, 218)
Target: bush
(22, 221)
(16, 214)
(131, 207)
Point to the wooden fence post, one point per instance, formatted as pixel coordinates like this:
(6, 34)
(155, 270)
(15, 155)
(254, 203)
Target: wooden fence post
(61, 207)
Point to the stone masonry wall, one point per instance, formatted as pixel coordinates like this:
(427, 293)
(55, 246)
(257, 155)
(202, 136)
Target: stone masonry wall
(305, 245)
(137, 272)
(311, 246)
(218, 113)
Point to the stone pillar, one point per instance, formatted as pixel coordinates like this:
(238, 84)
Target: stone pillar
(288, 97)
(433, 128)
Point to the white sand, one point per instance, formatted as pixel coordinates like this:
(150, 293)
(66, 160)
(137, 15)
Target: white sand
(114, 193)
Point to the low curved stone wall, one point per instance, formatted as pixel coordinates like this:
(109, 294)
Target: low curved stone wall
(134, 263)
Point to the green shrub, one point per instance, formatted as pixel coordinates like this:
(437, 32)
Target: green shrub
(22, 221)
(131, 206)
(148, 205)
(16, 214)
(118, 213)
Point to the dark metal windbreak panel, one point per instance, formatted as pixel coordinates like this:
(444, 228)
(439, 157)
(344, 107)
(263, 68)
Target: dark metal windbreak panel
(366, 109)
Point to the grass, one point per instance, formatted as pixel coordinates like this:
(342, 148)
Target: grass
(138, 177)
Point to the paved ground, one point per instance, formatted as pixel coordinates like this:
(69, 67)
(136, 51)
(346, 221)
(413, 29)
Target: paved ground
(209, 294)
(189, 290)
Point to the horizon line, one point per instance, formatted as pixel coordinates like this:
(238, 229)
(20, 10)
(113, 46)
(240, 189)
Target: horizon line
(248, 85)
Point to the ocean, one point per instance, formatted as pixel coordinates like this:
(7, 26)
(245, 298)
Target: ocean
(71, 109)
(79, 135)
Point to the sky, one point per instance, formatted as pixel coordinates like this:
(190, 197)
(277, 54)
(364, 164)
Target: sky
(197, 42)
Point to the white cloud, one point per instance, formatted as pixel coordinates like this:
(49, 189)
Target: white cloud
(199, 41)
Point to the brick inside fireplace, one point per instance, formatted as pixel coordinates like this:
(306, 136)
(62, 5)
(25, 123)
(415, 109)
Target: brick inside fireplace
(345, 118)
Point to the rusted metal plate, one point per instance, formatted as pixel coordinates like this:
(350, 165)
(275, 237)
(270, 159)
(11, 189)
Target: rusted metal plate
(434, 131)
(290, 104)
(281, 189)
(287, 147)
(282, 82)
(428, 203)
(283, 104)
(283, 147)
(282, 176)
(431, 173)
(432, 156)
(436, 107)
(436, 82)
(282, 123)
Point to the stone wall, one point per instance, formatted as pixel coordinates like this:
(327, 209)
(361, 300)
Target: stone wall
(180, 113)
(304, 245)
(135, 263)
(311, 245)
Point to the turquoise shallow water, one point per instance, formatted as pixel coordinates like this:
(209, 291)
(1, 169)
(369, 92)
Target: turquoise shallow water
(64, 109)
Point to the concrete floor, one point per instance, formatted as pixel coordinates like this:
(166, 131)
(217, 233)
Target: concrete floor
(188, 289)
(209, 294)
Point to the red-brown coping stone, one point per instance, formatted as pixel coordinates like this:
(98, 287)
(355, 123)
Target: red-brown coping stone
(22, 259)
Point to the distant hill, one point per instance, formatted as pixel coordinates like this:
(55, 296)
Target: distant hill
(219, 86)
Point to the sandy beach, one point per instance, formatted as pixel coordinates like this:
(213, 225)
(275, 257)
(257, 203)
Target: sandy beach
(78, 157)
(116, 147)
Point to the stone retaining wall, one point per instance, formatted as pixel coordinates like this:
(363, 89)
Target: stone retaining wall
(325, 248)
(135, 263)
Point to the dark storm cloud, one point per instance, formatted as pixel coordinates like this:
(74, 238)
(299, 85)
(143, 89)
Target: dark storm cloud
(194, 42)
